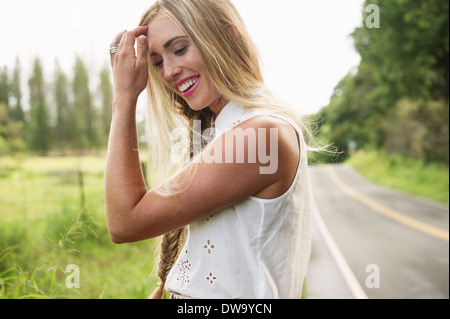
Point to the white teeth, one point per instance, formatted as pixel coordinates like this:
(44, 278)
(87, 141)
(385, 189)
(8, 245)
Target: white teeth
(187, 85)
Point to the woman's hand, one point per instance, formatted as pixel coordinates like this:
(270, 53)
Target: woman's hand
(130, 71)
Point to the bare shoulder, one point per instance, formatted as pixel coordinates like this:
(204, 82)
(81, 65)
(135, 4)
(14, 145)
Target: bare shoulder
(280, 154)
(287, 137)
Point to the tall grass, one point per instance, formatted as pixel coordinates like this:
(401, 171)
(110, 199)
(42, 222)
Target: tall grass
(48, 220)
(416, 177)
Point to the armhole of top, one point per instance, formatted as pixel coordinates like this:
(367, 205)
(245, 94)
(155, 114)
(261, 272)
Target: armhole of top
(301, 155)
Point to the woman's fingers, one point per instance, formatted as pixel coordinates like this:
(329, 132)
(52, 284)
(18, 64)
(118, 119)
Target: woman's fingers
(114, 46)
(116, 41)
(129, 66)
(125, 41)
(130, 37)
(142, 49)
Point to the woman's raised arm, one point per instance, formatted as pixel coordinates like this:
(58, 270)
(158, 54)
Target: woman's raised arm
(124, 183)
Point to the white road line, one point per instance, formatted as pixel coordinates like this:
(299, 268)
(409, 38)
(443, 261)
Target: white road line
(349, 277)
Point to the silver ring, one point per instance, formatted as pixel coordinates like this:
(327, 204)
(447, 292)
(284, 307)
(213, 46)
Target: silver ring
(113, 50)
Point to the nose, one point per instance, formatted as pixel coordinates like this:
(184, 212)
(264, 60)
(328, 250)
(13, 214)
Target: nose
(170, 69)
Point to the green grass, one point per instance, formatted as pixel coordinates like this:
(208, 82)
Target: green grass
(408, 175)
(46, 225)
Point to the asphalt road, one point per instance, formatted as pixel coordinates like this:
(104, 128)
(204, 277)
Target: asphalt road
(373, 242)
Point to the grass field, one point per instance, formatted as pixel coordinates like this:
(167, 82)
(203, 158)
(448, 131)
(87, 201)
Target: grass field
(49, 220)
(408, 175)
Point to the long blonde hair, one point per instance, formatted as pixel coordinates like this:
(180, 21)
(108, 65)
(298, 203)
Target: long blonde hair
(231, 60)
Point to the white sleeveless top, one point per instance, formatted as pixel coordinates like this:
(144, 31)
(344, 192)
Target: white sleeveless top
(254, 249)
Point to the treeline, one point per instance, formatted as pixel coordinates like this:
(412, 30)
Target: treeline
(63, 114)
(398, 98)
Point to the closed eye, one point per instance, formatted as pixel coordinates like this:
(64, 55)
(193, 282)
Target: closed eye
(181, 51)
(158, 63)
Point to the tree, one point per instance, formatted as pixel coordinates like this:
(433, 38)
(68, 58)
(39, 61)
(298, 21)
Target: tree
(410, 51)
(106, 95)
(12, 138)
(17, 113)
(85, 115)
(4, 87)
(12, 126)
(398, 99)
(38, 130)
(63, 125)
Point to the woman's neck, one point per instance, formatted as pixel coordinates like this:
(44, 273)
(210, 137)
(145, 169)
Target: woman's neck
(217, 106)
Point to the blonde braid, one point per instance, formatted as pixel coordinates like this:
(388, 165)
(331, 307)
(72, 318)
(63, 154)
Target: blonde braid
(171, 242)
(169, 250)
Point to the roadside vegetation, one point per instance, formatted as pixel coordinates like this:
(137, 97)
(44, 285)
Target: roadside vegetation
(427, 180)
(52, 216)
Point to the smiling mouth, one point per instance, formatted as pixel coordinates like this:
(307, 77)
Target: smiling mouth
(188, 86)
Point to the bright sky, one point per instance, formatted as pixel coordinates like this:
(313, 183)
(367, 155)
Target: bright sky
(304, 44)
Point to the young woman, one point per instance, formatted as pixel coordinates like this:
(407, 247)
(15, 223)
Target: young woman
(235, 216)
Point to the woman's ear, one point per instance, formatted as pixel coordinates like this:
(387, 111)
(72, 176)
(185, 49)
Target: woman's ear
(233, 30)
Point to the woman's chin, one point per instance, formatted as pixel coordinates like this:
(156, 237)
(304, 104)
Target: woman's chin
(196, 106)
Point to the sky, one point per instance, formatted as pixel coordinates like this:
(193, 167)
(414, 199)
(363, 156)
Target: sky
(304, 44)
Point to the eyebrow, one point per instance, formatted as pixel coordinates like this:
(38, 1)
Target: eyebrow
(168, 43)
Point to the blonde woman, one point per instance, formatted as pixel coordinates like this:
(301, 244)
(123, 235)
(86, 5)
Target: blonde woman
(235, 212)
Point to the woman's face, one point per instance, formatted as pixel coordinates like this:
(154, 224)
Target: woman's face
(180, 66)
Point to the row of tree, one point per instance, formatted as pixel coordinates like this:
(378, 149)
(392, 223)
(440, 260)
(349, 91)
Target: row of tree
(61, 115)
(398, 99)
